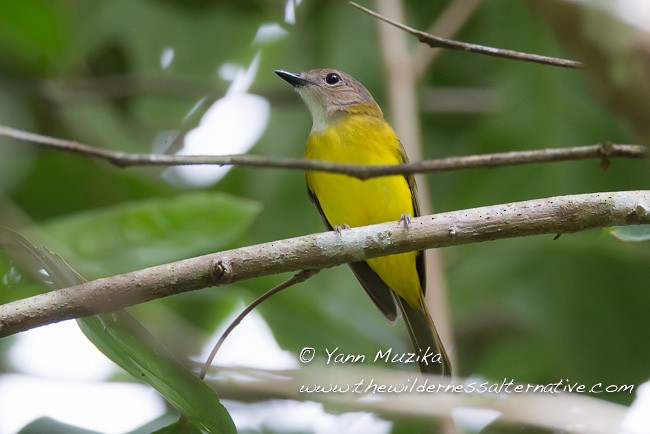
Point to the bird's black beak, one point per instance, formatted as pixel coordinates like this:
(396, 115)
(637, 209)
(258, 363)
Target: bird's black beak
(292, 78)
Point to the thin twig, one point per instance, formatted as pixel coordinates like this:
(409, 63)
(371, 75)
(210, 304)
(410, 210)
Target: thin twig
(448, 23)
(563, 214)
(294, 280)
(437, 42)
(124, 159)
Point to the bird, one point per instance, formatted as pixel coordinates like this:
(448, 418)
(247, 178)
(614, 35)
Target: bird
(349, 127)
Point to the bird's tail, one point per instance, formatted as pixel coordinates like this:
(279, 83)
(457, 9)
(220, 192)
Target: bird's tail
(432, 357)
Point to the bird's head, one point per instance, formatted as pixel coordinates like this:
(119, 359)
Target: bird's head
(330, 94)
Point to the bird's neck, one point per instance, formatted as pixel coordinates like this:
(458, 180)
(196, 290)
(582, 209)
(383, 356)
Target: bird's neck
(328, 119)
(356, 138)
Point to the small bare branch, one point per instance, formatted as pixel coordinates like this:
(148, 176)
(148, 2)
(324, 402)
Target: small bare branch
(437, 42)
(294, 280)
(449, 22)
(124, 159)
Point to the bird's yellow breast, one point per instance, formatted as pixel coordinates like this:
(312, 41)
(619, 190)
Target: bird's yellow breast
(344, 200)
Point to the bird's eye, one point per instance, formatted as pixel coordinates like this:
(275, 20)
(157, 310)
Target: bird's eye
(332, 78)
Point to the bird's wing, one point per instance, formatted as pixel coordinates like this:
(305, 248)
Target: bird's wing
(419, 259)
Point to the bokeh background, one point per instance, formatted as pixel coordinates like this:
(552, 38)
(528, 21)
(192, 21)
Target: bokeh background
(144, 75)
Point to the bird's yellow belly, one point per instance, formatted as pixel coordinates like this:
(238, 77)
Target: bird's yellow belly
(349, 201)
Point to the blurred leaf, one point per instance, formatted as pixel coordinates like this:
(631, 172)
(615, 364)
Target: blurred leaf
(53, 426)
(169, 418)
(38, 262)
(15, 283)
(178, 428)
(632, 233)
(135, 235)
(123, 340)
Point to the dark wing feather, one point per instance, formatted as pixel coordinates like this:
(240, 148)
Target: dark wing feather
(379, 292)
(376, 289)
(418, 320)
(419, 259)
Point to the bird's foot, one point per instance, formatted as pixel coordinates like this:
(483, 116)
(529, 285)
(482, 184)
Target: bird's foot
(338, 228)
(405, 219)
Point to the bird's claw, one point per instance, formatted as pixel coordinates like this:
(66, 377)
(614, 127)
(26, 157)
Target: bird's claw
(405, 219)
(338, 228)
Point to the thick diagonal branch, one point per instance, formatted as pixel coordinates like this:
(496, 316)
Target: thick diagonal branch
(563, 214)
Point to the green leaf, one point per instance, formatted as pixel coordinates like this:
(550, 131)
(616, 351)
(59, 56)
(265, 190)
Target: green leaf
(140, 234)
(53, 426)
(123, 340)
(178, 428)
(631, 233)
